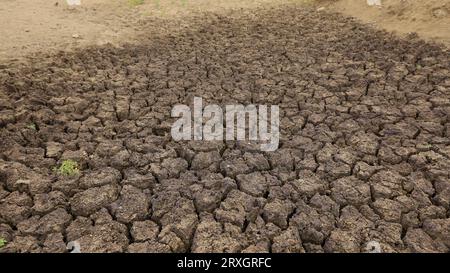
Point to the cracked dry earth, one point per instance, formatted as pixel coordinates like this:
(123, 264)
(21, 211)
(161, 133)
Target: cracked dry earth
(364, 152)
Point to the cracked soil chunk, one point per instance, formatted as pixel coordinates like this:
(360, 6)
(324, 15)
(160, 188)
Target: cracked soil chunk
(92, 199)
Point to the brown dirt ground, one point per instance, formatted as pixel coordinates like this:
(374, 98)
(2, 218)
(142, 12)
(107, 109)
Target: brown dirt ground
(364, 153)
(430, 19)
(30, 27)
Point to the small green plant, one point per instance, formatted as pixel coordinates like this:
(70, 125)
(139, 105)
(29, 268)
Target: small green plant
(32, 126)
(2, 242)
(68, 167)
(135, 2)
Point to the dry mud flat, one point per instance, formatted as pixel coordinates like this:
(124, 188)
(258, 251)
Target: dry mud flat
(364, 156)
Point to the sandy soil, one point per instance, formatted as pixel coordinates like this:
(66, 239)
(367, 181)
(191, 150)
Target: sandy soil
(42, 25)
(28, 27)
(35, 26)
(364, 152)
(430, 18)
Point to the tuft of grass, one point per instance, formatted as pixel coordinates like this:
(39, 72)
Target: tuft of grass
(2, 242)
(135, 2)
(68, 167)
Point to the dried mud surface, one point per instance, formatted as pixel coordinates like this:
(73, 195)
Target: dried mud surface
(364, 156)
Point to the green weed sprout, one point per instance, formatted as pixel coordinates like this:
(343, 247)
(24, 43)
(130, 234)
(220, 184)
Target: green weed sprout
(32, 126)
(2, 242)
(68, 167)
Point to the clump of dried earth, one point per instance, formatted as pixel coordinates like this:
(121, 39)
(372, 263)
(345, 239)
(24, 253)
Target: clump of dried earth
(364, 153)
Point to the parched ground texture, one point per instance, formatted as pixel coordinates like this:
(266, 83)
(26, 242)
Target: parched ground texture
(364, 153)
